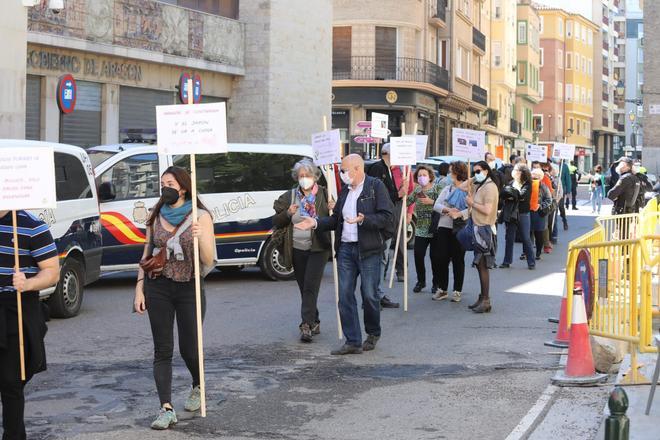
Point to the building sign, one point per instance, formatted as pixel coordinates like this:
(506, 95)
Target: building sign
(89, 66)
(654, 109)
(67, 92)
(197, 88)
(183, 88)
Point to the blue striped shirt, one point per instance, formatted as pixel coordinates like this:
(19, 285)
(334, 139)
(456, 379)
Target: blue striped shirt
(35, 244)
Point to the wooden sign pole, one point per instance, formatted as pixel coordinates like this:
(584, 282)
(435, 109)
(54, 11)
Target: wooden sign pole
(198, 287)
(329, 172)
(19, 299)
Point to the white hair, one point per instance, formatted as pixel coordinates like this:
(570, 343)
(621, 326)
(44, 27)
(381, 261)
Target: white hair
(308, 166)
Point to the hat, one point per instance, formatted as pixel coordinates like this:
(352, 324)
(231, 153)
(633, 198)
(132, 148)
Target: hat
(625, 159)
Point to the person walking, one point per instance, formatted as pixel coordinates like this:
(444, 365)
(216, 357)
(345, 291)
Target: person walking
(574, 174)
(39, 268)
(626, 190)
(392, 177)
(306, 251)
(482, 211)
(597, 188)
(447, 248)
(540, 206)
(363, 219)
(168, 291)
(566, 189)
(423, 197)
(515, 215)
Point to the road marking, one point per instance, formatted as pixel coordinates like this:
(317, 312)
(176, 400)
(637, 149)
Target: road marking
(527, 422)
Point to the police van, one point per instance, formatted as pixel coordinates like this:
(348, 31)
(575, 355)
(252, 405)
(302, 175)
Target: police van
(74, 224)
(238, 188)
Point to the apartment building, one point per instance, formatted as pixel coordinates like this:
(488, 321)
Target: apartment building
(419, 61)
(528, 69)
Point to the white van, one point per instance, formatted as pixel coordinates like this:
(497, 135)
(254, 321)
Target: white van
(239, 189)
(74, 224)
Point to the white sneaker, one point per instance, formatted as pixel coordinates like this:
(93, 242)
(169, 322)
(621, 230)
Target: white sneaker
(456, 297)
(439, 295)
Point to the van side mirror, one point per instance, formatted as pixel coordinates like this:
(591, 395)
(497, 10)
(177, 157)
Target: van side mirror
(107, 192)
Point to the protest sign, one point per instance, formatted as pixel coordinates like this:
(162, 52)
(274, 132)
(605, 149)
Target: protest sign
(379, 125)
(192, 129)
(325, 147)
(27, 178)
(536, 153)
(403, 151)
(468, 143)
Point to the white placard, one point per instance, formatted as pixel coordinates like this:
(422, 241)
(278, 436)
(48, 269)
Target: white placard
(421, 141)
(654, 109)
(27, 178)
(536, 153)
(192, 129)
(379, 125)
(325, 146)
(470, 144)
(403, 151)
(563, 151)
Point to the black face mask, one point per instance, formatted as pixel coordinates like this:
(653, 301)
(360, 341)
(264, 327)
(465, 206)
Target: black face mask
(169, 195)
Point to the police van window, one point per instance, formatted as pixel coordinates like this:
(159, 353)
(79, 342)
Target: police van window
(241, 172)
(71, 182)
(135, 177)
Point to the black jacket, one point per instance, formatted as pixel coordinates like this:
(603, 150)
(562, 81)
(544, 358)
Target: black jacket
(380, 171)
(624, 194)
(509, 197)
(377, 208)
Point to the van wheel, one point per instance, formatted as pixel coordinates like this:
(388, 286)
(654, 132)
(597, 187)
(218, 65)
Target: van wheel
(66, 301)
(271, 263)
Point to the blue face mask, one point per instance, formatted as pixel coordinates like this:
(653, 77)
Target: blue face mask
(479, 178)
(448, 179)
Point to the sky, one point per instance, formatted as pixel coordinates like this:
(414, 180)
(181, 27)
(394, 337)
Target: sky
(582, 7)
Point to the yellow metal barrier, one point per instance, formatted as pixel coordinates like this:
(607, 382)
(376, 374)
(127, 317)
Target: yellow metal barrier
(624, 255)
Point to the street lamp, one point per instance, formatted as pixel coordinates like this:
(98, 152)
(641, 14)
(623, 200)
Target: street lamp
(620, 90)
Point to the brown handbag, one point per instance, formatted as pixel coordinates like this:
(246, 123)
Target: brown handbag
(153, 264)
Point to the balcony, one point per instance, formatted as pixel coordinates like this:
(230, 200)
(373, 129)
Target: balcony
(515, 127)
(606, 122)
(616, 51)
(606, 45)
(479, 95)
(606, 20)
(491, 117)
(606, 97)
(399, 69)
(479, 39)
(439, 12)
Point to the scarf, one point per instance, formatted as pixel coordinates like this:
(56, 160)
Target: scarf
(534, 199)
(174, 216)
(308, 203)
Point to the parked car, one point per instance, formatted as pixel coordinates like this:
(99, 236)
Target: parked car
(74, 224)
(238, 188)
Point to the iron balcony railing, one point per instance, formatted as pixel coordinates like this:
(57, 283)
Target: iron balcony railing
(515, 127)
(478, 39)
(479, 95)
(397, 69)
(441, 10)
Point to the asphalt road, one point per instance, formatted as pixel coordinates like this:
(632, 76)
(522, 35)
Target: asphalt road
(439, 371)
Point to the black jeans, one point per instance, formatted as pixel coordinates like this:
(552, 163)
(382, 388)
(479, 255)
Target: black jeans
(449, 250)
(166, 299)
(308, 268)
(421, 245)
(13, 408)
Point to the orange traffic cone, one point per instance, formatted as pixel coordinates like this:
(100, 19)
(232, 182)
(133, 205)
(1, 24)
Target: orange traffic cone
(562, 336)
(580, 366)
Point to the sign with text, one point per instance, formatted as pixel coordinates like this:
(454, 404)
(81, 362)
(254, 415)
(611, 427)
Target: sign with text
(27, 178)
(325, 147)
(563, 151)
(468, 143)
(536, 153)
(192, 129)
(403, 151)
(421, 142)
(379, 125)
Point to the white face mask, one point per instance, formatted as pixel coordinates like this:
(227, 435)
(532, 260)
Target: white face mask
(306, 182)
(635, 169)
(480, 177)
(492, 164)
(345, 178)
(619, 168)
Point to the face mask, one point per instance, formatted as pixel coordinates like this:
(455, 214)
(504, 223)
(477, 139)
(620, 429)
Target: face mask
(423, 180)
(492, 165)
(619, 168)
(480, 177)
(515, 175)
(345, 178)
(635, 169)
(448, 179)
(306, 182)
(169, 195)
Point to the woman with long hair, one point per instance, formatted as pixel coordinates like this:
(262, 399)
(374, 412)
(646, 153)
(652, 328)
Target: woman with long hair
(306, 251)
(482, 202)
(447, 247)
(170, 292)
(515, 215)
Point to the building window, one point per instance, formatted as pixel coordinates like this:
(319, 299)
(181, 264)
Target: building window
(465, 7)
(584, 34)
(522, 32)
(560, 125)
(560, 58)
(541, 91)
(590, 96)
(590, 67)
(537, 123)
(569, 92)
(541, 22)
(560, 26)
(541, 57)
(560, 92)
(464, 61)
(577, 30)
(498, 9)
(443, 53)
(522, 72)
(570, 123)
(584, 65)
(497, 54)
(569, 60)
(341, 50)
(224, 8)
(569, 29)
(577, 126)
(590, 38)
(386, 48)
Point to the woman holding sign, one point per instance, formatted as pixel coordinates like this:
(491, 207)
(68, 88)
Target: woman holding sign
(166, 285)
(307, 251)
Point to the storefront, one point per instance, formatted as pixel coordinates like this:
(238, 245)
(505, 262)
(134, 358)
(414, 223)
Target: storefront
(113, 94)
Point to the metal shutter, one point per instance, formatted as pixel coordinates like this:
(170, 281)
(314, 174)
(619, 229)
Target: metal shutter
(137, 107)
(33, 108)
(83, 126)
